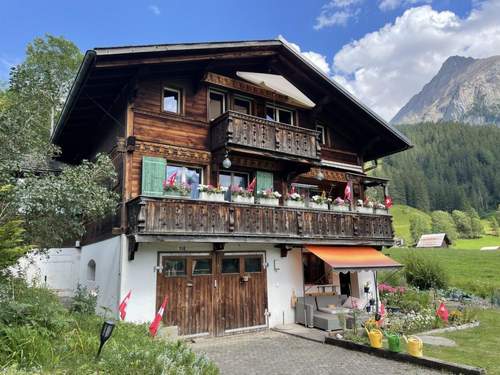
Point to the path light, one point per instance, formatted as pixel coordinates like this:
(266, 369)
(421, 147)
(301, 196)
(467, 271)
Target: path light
(226, 163)
(106, 331)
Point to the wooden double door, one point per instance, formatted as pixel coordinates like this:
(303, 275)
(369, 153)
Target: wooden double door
(213, 293)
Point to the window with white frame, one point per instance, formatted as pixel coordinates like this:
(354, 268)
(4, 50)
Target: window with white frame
(279, 114)
(172, 100)
(216, 103)
(322, 133)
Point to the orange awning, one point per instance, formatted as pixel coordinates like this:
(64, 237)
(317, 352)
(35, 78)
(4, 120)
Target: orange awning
(344, 259)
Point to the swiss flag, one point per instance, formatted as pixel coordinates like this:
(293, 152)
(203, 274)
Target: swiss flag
(171, 179)
(442, 312)
(155, 324)
(251, 187)
(123, 305)
(348, 192)
(388, 202)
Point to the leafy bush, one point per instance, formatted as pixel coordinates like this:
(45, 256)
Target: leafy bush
(406, 299)
(424, 273)
(84, 301)
(39, 336)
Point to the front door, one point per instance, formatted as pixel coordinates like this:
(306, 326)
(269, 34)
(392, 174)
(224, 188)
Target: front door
(241, 301)
(210, 294)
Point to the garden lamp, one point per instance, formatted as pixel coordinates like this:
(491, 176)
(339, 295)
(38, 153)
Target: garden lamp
(226, 163)
(106, 331)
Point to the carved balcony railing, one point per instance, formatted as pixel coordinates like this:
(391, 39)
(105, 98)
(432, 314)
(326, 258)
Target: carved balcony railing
(166, 219)
(238, 131)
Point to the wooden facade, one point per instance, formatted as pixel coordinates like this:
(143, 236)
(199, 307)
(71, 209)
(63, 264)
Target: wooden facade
(158, 103)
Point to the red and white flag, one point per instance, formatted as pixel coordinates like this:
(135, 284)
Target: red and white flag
(388, 202)
(155, 324)
(348, 192)
(251, 187)
(123, 305)
(171, 179)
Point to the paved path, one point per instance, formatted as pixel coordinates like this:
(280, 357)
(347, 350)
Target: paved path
(276, 353)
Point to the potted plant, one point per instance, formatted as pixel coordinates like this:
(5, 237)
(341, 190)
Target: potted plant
(381, 209)
(340, 205)
(241, 195)
(319, 202)
(268, 197)
(212, 193)
(364, 208)
(173, 189)
(294, 199)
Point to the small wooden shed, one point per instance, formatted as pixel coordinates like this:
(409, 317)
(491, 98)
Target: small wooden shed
(434, 240)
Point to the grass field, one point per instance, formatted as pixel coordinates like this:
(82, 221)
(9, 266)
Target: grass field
(477, 243)
(472, 270)
(401, 220)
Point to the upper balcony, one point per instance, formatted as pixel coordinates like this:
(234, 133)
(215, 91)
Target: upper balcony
(178, 219)
(250, 134)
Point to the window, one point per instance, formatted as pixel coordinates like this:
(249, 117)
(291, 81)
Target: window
(191, 176)
(278, 114)
(216, 104)
(91, 270)
(322, 134)
(253, 264)
(230, 265)
(174, 267)
(242, 105)
(172, 100)
(228, 179)
(201, 266)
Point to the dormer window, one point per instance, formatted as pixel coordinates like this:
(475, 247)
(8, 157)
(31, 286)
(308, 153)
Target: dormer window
(279, 114)
(172, 100)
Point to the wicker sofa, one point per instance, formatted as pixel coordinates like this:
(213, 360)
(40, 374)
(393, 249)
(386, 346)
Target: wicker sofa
(317, 311)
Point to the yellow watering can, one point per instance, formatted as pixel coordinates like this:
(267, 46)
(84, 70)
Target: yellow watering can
(375, 337)
(414, 345)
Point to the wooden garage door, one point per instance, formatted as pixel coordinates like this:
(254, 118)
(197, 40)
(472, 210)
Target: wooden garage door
(188, 282)
(241, 301)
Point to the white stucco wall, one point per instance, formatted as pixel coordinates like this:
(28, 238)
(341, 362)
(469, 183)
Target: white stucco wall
(57, 269)
(106, 255)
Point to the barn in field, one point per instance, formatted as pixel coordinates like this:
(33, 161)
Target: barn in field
(434, 240)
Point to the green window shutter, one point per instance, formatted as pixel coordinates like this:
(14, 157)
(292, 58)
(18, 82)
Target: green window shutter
(264, 180)
(153, 175)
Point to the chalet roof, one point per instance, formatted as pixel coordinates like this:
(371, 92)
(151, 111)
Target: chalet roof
(433, 240)
(106, 71)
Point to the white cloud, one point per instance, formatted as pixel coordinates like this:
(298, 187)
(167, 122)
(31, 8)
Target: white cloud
(337, 12)
(154, 9)
(387, 67)
(316, 58)
(386, 5)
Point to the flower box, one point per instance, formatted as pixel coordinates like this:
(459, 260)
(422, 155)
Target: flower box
(213, 197)
(176, 194)
(381, 211)
(242, 199)
(295, 204)
(340, 208)
(364, 210)
(318, 206)
(268, 201)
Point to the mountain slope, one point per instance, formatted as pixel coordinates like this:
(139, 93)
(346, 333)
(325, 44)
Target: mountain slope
(464, 90)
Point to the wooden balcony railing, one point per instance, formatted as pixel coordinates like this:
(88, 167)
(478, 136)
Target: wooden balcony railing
(244, 132)
(185, 219)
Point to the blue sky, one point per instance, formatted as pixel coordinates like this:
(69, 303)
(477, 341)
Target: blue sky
(321, 27)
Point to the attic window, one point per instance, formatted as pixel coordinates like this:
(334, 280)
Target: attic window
(172, 100)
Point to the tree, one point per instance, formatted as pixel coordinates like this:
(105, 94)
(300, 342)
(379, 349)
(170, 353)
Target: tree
(462, 223)
(41, 208)
(442, 222)
(477, 229)
(418, 227)
(495, 229)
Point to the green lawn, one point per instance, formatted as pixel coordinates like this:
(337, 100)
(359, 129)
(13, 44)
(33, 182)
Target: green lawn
(401, 220)
(472, 270)
(477, 243)
(476, 347)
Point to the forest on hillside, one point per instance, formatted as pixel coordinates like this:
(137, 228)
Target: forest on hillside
(451, 167)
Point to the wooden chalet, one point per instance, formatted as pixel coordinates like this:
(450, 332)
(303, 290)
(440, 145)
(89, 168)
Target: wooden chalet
(177, 117)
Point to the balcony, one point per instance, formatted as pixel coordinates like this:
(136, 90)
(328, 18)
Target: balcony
(169, 219)
(249, 134)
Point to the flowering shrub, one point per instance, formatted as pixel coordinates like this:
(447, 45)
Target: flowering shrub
(339, 202)
(211, 189)
(412, 322)
(295, 197)
(406, 299)
(239, 191)
(321, 199)
(269, 194)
